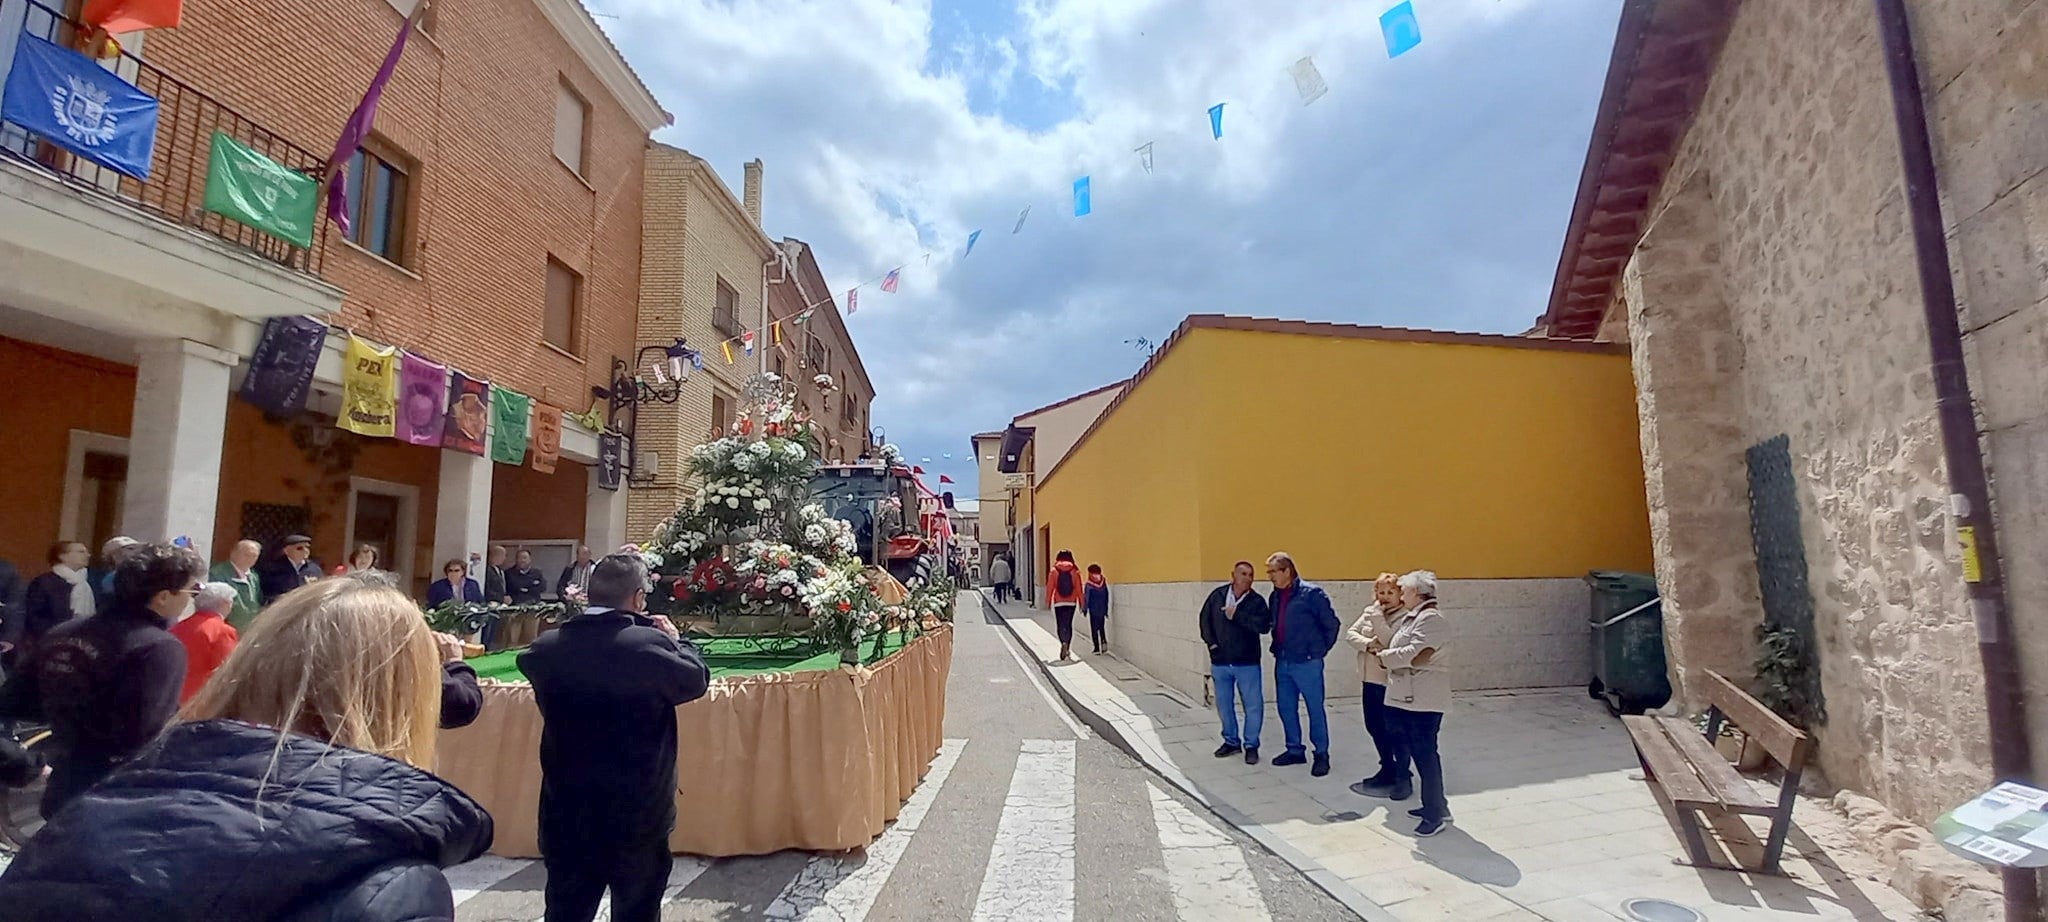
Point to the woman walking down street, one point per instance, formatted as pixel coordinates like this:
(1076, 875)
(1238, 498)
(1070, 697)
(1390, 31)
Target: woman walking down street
(1369, 635)
(1063, 591)
(294, 789)
(1095, 600)
(1419, 692)
(999, 575)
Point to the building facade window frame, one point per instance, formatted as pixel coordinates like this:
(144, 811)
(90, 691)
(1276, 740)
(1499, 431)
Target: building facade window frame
(382, 186)
(561, 324)
(725, 308)
(571, 142)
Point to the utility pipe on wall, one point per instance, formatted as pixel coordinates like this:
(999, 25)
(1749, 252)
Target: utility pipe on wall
(2005, 709)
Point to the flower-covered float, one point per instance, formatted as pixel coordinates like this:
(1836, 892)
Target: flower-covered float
(829, 675)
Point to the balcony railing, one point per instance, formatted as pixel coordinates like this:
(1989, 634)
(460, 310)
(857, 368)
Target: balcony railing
(186, 121)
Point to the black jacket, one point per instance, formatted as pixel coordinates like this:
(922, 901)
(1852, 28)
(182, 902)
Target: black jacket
(525, 586)
(279, 575)
(1234, 641)
(107, 685)
(570, 576)
(608, 684)
(192, 830)
(46, 605)
(494, 584)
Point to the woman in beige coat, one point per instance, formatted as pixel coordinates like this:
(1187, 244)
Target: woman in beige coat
(1419, 692)
(1369, 635)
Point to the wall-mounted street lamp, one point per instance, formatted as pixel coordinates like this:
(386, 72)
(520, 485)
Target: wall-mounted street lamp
(670, 366)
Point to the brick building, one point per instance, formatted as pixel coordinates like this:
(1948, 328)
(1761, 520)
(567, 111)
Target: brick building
(497, 213)
(710, 275)
(1742, 223)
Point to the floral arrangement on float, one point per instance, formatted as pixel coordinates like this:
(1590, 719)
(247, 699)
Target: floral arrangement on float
(750, 553)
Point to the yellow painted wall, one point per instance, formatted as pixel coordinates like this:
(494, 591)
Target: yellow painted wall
(1360, 455)
(1128, 497)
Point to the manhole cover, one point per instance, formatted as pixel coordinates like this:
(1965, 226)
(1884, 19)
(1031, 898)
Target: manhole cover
(1660, 911)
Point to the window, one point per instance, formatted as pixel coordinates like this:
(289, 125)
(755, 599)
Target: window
(564, 318)
(846, 408)
(817, 354)
(720, 417)
(379, 200)
(779, 372)
(572, 127)
(725, 314)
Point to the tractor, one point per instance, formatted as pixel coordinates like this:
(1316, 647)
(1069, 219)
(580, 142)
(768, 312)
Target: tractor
(898, 524)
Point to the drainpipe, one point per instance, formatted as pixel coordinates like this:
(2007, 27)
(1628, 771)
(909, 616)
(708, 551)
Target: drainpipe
(2011, 757)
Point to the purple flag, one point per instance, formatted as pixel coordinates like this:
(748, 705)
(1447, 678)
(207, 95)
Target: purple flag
(422, 400)
(358, 128)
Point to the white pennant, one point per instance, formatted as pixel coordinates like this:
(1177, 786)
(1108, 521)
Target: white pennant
(1308, 81)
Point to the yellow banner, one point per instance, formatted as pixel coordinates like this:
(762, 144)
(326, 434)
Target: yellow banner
(369, 388)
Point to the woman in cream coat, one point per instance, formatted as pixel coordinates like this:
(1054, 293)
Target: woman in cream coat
(1419, 692)
(1369, 635)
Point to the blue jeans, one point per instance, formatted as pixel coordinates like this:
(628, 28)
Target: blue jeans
(1247, 684)
(1298, 680)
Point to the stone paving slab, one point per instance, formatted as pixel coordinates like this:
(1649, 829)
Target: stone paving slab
(1553, 820)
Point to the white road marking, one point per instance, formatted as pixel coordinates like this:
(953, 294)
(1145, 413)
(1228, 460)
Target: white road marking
(471, 878)
(1207, 871)
(685, 869)
(832, 889)
(1011, 643)
(1030, 875)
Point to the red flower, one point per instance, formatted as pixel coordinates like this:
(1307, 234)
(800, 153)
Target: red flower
(845, 606)
(746, 427)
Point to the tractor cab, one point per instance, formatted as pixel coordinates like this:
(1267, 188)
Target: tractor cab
(887, 509)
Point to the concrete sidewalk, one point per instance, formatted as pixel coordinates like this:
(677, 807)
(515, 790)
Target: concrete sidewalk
(1553, 821)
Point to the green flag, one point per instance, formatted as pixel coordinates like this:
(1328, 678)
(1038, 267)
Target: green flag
(260, 192)
(508, 424)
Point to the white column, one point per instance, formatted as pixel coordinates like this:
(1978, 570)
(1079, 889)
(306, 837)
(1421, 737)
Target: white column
(604, 517)
(462, 508)
(181, 417)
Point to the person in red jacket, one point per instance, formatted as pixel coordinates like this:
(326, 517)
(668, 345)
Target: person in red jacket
(1063, 590)
(207, 636)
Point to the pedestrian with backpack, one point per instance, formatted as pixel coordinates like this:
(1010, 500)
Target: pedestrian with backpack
(1063, 590)
(1095, 598)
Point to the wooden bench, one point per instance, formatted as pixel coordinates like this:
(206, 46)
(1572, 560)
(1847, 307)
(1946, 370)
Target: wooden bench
(1681, 762)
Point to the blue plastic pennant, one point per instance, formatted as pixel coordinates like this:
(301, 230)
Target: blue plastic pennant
(970, 244)
(1401, 29)
(1216, 120)
(1082, 206)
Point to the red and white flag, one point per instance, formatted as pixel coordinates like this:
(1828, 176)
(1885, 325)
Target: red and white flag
(747, 342)
(889, 281)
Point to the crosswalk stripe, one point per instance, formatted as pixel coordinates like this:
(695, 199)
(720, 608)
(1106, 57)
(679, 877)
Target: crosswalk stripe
(1207, 871)
(830, 889)
(1030, 875)
(472, 878)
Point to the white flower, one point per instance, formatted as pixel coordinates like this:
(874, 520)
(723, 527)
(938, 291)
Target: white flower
(732, 502)
(761, 505)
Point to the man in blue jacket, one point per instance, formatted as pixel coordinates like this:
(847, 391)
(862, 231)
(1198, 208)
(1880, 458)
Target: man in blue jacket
(1305, 627)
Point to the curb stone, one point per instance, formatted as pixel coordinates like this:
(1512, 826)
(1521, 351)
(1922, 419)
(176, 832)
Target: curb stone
(1159, 765)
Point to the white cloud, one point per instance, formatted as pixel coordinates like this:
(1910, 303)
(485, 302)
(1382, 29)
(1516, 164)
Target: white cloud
(1427, 191)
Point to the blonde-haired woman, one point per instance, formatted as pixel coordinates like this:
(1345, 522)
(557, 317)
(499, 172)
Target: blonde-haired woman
(1369, 635)
(295, 786)
(1419, 692)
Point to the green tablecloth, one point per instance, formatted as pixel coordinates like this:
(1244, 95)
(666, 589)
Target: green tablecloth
(727, 656)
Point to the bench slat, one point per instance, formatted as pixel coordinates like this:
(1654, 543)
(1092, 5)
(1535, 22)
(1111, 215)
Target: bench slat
(1722, 780)
(1671, 772)
(1786, 743)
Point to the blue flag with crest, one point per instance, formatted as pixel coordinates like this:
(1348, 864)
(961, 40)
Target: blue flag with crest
(80, 106)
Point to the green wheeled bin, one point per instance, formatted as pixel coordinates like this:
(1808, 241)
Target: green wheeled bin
(1627, 621)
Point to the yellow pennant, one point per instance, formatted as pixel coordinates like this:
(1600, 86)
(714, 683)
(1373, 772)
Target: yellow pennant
(775, 330)
(727, 347)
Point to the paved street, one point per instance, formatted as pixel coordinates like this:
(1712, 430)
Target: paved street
(1021, 818)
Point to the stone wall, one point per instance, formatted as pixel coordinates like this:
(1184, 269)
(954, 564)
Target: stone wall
(1507, 633)
(1775, 293)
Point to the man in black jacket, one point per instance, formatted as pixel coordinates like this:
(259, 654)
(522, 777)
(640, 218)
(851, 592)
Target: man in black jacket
(608, 682)
(108, 684)
(525, 583)
(291, 568)
(1233, 617)
(576, 574)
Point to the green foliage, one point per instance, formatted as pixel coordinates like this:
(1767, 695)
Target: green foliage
(1788, 676)
(465, 618)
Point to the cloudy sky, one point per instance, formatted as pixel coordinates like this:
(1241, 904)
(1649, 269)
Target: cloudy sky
(1430, 190)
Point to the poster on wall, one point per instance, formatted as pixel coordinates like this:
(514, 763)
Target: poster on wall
(281, 369)
(422, 400)
(369, 388)
(547, 437)
(469, 414)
